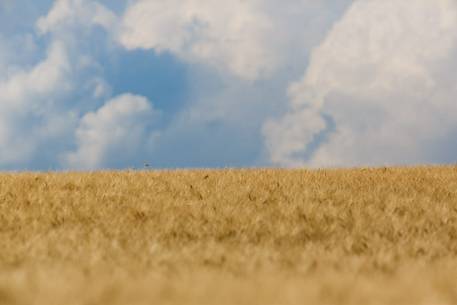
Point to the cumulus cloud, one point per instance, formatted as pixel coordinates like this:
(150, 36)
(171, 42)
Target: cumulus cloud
(380, 89)
(75, 12)
(242, 54)
(113, 134)
(72, 23)
(379, 86)
(229, 34)
(43, 95)
(25, 98)
(40, 80)
(250, 39)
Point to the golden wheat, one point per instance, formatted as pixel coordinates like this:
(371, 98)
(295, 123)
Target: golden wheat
(362, 236)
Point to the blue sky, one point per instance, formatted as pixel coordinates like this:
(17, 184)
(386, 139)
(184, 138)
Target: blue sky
(88, 84)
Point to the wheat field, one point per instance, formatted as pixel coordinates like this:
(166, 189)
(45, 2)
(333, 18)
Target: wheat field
(354, 236)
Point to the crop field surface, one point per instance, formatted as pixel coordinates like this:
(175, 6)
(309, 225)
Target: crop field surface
(354, 236)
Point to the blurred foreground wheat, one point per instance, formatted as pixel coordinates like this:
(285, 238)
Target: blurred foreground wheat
(366, 236)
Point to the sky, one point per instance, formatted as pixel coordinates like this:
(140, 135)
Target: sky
(113, 84)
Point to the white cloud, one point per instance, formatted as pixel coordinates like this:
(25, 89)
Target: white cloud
(291, 135)
(42, 98)
(25, 97)
(226, 34)
(265, 41)
(113, 134)
(250, 39)
(76, 12)
(380, 89)
(43, 79)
